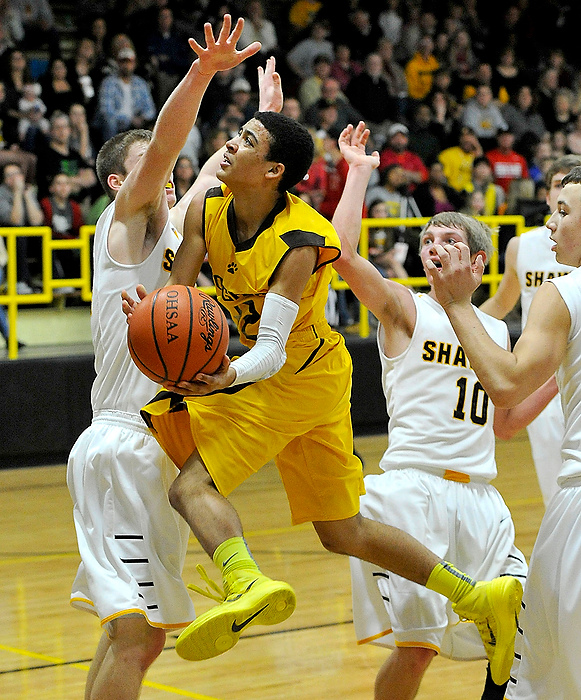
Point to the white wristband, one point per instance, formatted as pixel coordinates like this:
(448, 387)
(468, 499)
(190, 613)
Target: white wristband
(268, 354)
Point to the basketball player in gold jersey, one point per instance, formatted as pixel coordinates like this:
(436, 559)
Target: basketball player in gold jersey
(287, 399)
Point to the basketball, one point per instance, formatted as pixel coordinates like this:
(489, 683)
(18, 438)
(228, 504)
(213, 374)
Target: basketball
(176, 332)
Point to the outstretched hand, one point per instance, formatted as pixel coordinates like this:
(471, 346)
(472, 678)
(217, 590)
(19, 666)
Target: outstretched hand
(352, 142)
(128, 304)
(269, 88)
(458, 277)
(221, 54)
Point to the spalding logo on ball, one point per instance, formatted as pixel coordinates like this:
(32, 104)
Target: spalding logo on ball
(176, 332)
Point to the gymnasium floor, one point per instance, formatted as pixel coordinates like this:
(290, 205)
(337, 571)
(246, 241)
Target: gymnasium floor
(46, 646)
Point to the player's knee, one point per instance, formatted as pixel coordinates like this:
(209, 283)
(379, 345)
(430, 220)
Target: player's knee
(135, 643)
(337, 536)
(418, 659)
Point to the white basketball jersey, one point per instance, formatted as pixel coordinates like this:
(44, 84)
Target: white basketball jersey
(119, 385)
(440, 416)
(535, 263)
(569, 378)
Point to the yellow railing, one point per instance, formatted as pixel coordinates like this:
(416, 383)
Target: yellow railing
(492, 278)
(12, 300)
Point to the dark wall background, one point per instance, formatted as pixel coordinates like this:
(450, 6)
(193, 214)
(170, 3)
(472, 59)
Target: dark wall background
(45, 403)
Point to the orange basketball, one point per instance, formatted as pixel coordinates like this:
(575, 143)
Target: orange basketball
(176, 332)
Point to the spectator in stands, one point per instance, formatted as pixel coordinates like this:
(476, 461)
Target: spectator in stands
(483, 181)
(58, 92)
(63, 214)
(475, 204)
(38, 23)
(390, 21)
(257, 27)
(482, 76)
(435, 194)
(301, 57)
(386, 254)
(458, 160)
(166, 57)
(484, 117)
(83, 72)
(420, 69)
(80, 139)
(336, 173)
(507, 165)
(506, 76)
(557, 61)
(125, 100)
(574, 137)
(370, 95)
(310, 88)
(184, 174)
(522, 116)
(559, 144)
(411, 33)
(397, 151)
(394, 74)
(560, 117)
(541, 159)
(241, 97)
(426, 137)
(292, 108)
(547, 87)
(313, 186)
(344, 68)
(57, 156)
(99, 33)
(443, 114)
(15, 74)
(19, 207)
(393, 192)
(10, 150)
(11, 30)
(32, 125)
(461, 57)
(331, 95)
(360, 33)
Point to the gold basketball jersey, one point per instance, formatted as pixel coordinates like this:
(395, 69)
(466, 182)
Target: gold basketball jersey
(243, 271)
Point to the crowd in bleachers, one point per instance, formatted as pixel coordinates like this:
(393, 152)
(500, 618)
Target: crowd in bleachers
(467, 102)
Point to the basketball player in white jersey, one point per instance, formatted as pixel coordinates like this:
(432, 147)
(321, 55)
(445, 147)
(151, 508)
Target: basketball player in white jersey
(529, 261)
(440, 459)
(132, 543)
(547, 649)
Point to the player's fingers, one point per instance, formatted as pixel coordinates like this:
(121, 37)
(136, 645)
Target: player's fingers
(195, 46)
(249, 51)
(233, 38)
(209, 35)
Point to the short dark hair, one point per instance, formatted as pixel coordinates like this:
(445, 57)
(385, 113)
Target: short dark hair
(290, 144)
(113, 153)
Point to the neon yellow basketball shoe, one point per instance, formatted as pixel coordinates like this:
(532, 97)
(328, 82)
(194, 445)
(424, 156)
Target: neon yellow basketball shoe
(249, 599)
(494, 607)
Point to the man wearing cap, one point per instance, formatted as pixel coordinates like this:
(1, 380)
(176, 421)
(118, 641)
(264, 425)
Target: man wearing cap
(125, 100)
(397, 151)
(241, 96)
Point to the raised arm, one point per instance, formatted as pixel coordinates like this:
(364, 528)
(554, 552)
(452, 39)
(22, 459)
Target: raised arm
(508, 291)
(146, 181)
(508, 377)
(389, 301)
(270, 100)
